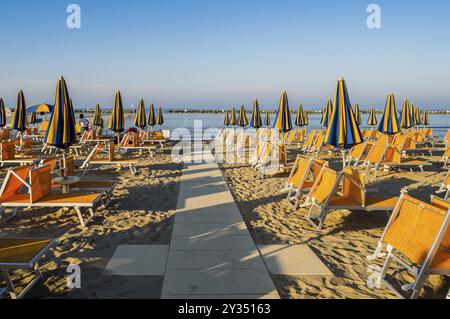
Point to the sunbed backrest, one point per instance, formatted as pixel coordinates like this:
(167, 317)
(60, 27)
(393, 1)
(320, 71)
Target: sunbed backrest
(111, 151)
(5, 134)
(376, 153)
(353, 185)
(358, 150)
(444, 205)
(414, 228)
(27, 143)
(52, 161)
(324, 185)
(317, 166)
(300, 170)
(8, 150)
(41, 182)
(135, 139)
(12, 185)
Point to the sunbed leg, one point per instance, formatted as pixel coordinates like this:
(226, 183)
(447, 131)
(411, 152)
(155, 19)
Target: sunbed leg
(386, 265)
(10, 284)
(80, 217)
(378, 252)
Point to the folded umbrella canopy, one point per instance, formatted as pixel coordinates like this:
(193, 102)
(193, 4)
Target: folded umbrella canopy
(33, 118)
(425, 121)
(140, 120)
(151, 116)
(233, 120)
(343, 131)
(389, 121)
(159, 117)
(372, 121)
(61, 128)
(256, 120)
(326, 116)
(117, 119)
(406, 120)
(267, 120)
(19, 118)
(357, 114)
(300, 118)
(417, 119)
(242, 120)
(2, 114)
(226, 121)
(305, 118)
(97, 121)
(283, 121)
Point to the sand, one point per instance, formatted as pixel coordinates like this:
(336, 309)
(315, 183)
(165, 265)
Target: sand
(141, 212)
(343, 244)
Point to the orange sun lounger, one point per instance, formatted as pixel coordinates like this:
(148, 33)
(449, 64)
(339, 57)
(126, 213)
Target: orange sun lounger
(445, 186)
(302, 177)
(92, 159)
(417, 237)
(38, 185)
(22, 254)
(325, 197)
(8, 155)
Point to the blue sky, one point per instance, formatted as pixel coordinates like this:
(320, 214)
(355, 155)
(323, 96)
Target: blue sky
(221, 53)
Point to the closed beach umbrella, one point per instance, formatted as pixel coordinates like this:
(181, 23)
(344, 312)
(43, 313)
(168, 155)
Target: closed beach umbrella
(305, 118)
(140, 120)
(417, 119)
(97, 121)
(343, 131)
(19, 118)
(61, 128)
(2, 114)
(242, 120)
(117, 119)
(389, 121)
(33, 118)
(328, 112)
(357, 114)
(151, 116)
(425, 121)
(159, 117)
(372, 118)
(226, 121)
(412, 111)
(324, 113)
(283, 121)
(233, 120)
(267, 120)
(406, 120)
(300, 118)
(256, 120)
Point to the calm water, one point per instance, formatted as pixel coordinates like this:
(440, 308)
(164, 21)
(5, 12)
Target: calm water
(439, 123)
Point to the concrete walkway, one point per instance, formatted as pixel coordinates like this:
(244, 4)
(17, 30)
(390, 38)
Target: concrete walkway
(212, 254)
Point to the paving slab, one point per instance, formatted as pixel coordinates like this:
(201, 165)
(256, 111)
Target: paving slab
(293, 260)
(138, 260)
(212, 254)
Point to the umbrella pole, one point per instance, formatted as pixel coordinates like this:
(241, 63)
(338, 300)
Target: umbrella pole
(343, 153)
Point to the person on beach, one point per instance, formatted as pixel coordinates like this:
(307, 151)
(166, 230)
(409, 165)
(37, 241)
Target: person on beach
(84, 123)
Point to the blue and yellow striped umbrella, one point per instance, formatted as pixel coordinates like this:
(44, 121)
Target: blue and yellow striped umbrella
(233, 120)
(226, 121)
(2, 114)
(159, 117)
(256, 120)
(300, 118)
(61, 128)
(343, 132)
(417, 119)
(389, 121)
(97, 120)
(117, 119)
(305, 118)
(357, 114)
(267, 120)
(406, 121)
(242, 120)
(19, 118)
(425, 121)
(372, 121)
(326, 117)
(151, 116)
(140, 120)
(412, 111)
(283, 121)
(33, 118)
